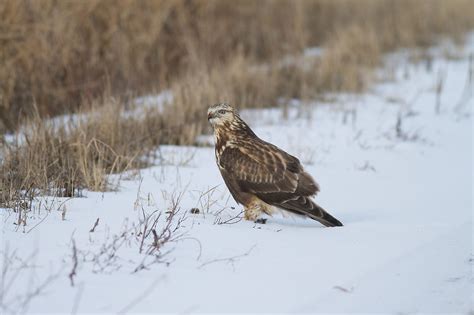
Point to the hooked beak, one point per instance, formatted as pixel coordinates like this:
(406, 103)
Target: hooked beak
(209, 116)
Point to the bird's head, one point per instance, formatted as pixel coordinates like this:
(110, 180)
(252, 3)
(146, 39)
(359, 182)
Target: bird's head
(220, 114)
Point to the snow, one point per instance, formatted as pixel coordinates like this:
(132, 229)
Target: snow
(138, 107)
(315, 51)
(393, 170)
(158, 101)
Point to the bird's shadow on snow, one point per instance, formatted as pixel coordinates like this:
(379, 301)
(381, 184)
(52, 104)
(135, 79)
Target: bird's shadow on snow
(356, 218)
(301, 222)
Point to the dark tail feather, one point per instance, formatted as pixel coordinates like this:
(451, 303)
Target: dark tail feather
(321, 215)
(305, 206)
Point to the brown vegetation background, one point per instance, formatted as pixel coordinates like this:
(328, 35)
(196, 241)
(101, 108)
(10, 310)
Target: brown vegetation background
(94, 56)
(60, 54)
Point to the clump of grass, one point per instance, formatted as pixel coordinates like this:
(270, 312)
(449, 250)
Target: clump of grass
(62, 158)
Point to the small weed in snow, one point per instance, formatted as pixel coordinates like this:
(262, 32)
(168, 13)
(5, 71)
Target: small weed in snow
(137, 245)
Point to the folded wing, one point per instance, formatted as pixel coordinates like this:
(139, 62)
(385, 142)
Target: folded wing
(268, 172)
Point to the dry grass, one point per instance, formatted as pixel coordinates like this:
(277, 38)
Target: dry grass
(63, 56)
(60, 54)
(62, 158)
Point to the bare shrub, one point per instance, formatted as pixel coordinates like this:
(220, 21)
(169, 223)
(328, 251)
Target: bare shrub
(16, 296)
(148, 238)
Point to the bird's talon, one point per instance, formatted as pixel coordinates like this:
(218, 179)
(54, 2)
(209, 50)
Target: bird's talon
(261, 221)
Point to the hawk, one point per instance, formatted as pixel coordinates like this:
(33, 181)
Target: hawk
(259, 175)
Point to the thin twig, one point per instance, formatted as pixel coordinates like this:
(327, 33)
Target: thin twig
(95, 225)
(140, 297)
(228, 259)
(73, 272)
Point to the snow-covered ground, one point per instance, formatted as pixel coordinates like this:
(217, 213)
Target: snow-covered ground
(394, 165)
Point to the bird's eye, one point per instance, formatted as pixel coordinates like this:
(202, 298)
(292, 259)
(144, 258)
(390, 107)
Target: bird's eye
(222, 111)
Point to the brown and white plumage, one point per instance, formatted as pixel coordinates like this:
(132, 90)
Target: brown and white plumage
(258, 174)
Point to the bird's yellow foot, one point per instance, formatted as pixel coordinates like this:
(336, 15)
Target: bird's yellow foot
(252, 213)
